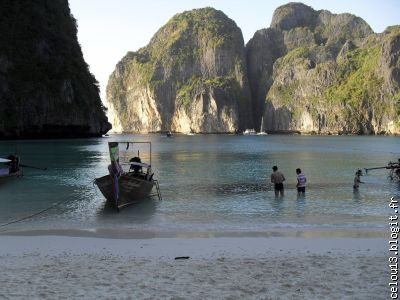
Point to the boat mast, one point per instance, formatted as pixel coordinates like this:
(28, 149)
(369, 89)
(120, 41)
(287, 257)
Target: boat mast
(262, 124)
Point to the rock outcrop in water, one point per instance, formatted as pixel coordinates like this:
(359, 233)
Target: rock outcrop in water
(46, 89)
(310, 71)
(192, 77)
(313, 71)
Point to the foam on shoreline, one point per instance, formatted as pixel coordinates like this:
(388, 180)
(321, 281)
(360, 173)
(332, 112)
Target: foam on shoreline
(201, 247)
(125, 233)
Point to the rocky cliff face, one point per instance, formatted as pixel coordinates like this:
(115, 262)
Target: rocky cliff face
(192, 77)
(46, 89)
(313, 71)
(310, 71)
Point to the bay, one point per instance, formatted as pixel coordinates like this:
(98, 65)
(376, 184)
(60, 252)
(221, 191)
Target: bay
(210, 184)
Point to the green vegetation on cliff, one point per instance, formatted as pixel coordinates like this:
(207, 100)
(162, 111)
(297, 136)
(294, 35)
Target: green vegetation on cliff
(186, 38)
(335, 76)
(357, 83)
(187, 90)
(355, 91)
(196, 56)
(208, 25)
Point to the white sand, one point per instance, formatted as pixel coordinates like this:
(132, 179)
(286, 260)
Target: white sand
(55, 267)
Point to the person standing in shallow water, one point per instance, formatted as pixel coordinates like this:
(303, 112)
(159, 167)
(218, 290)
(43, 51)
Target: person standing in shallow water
(301, 182)
(277, 179)
(357, 180)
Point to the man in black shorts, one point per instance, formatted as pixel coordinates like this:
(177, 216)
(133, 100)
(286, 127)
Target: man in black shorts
(277, 179)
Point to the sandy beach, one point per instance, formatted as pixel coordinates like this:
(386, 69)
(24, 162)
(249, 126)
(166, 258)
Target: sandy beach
(62, 267)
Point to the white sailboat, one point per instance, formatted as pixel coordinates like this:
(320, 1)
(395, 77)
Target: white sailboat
(262, 132)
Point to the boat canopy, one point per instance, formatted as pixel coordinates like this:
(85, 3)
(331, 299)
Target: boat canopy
(4, 160)
(119, 152)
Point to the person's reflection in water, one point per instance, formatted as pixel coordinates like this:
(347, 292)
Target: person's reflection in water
(300, 205)
(277, 205)
(356, 195)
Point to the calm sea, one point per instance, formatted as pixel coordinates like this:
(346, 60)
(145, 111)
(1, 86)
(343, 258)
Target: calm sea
(209, 183)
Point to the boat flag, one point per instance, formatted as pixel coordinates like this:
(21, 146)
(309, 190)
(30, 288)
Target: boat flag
(114, 170)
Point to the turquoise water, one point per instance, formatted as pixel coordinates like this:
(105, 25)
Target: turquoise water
(209, 183)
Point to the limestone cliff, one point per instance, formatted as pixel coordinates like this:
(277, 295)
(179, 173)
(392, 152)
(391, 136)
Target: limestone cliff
(191, 77)
(310, 71)
(314, 71)
(46, 89)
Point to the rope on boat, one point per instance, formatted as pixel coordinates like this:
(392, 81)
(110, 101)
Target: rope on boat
(38, 213)
(158, 190)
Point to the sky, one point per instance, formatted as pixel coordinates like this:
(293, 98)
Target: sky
(108, 29)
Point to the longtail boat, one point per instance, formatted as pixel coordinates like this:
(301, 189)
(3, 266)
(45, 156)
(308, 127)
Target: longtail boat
(393, 167)
(9, 168)
(129, 180)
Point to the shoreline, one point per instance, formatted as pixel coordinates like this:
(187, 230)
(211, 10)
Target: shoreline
(113, 233)
(192, 246)
(278, 132)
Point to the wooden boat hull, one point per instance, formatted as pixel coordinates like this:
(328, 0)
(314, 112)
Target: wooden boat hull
(5, 178)
(131, 189)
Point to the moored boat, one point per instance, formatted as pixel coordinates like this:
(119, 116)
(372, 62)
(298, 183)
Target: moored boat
(9, 168)
(262, 132)
(249, 132)
(129, 180)
(392, 166)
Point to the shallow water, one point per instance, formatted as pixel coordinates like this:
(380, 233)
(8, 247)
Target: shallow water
(209, 183)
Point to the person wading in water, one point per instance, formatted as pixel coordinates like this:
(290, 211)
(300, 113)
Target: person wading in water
(277, 179)
(301, 182)
(357, 180)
